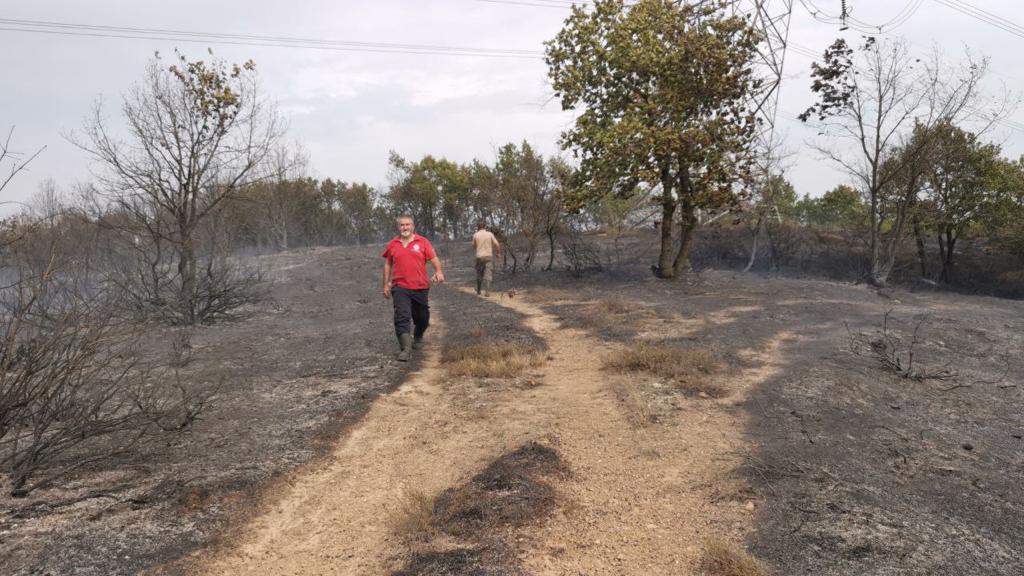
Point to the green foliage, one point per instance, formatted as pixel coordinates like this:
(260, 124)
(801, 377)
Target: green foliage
(663, 89)
(436, 192)
(1004, 219)
(841, 207)
(833, 81)
(212, 88)
(530, 200)
(304, 212)
(774, 199)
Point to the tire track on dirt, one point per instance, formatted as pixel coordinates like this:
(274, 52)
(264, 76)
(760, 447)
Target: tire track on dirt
(639, 501)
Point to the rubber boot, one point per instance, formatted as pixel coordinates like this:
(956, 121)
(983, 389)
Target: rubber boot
(405, 341)
(417, 342)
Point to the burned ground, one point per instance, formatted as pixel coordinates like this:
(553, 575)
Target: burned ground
(291, 376)
(484, 515)
(854, 469)
(858, 470)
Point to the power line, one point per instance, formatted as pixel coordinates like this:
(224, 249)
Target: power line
(908, 10)
(128, 32)
(534, 4)
(1007, 122)
(563, 4)
(984, 16)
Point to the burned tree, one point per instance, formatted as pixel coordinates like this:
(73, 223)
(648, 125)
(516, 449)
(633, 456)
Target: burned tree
(197, 133)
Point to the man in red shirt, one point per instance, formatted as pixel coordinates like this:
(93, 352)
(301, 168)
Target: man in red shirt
(406, 283)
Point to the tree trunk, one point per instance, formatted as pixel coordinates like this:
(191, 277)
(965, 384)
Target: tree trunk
(773, 254)
(922, 255)
(753, 246)
(887, 262)
(665, 268)
(511, 253)
(876, 275)
(947, 257)
(551, 251)
(687, 226)
(187, 271)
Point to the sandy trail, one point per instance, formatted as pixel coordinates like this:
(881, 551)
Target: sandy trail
(639, 500)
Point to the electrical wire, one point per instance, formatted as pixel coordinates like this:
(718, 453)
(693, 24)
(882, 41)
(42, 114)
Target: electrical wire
(1010, 123)
(901, 17)
(984, 16)
(534, 4)
(128, 32)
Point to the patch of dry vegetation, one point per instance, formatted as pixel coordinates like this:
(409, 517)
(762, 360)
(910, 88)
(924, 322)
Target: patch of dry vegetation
(688, 368)
(607, 318)
(476, 517)
(491, 360)
(549, 295)
(615, 313)
(723, 559)
(638, 406)
(411, 521)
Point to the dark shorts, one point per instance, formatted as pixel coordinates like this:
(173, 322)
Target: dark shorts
(411, 306)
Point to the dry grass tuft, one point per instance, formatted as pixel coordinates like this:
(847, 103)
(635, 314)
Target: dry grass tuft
(689, 368)
(723, 559)
(548, 295)
(412, 520)
(494, 360)
(637, 406)
(621, 307)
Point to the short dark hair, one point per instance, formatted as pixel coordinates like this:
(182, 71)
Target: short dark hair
(480, 225)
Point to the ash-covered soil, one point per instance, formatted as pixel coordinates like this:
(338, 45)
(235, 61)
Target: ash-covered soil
(291, 376)
(855, 469)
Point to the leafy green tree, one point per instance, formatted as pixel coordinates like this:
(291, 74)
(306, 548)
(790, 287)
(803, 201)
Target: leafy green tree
(772, 202)
(530, 199)
(663, 88)
(960, 187)
(1003, 220)
(436, 192)
(839, 208)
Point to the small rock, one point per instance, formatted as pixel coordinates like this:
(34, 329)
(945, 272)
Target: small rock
(967, 446)
(749, 505)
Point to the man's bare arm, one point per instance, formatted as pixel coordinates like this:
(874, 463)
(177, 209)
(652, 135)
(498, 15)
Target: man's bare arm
(387, 278)
(438, 273)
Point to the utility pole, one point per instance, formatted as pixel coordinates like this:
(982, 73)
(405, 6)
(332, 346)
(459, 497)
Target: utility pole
(771, 18)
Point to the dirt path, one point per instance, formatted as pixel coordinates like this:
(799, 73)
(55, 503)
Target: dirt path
(639, 500)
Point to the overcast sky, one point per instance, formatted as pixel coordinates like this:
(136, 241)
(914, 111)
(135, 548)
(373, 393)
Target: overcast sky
(349, 108)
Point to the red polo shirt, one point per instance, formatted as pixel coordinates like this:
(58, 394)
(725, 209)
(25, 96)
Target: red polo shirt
(409, 263)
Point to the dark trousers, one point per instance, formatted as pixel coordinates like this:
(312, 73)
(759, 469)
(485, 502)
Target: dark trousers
(411, 305)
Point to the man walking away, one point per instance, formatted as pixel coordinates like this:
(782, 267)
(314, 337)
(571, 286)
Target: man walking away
(487, 248)
(406, 283)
